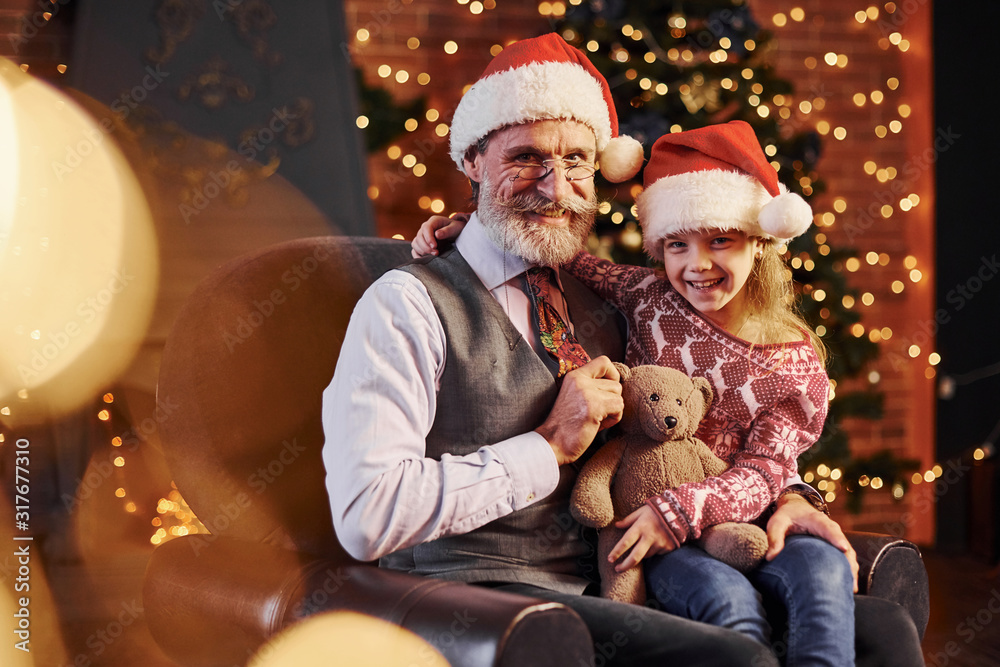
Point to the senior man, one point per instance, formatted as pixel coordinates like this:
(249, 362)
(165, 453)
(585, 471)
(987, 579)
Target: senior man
(470, 384)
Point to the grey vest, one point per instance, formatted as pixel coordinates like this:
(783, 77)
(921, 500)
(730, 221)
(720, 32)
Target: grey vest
(494, 387)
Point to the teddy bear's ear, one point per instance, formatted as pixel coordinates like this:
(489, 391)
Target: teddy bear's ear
(703, 385)
(623, 370)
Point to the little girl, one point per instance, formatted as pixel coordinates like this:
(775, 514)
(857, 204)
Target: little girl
(713, 212)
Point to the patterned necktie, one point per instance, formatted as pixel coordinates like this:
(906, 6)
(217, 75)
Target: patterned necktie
(553, 332)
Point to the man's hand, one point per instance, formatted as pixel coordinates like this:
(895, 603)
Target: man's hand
(645, 535)
(589, 400)
(795, 515)
(436, 228)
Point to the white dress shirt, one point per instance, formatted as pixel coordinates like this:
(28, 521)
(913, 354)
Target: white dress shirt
(385, 494)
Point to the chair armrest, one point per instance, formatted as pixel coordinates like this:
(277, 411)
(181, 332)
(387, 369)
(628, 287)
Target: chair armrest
(216, 602)
(893, 569)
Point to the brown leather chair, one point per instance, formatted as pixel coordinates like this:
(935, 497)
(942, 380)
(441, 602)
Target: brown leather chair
(245, 365)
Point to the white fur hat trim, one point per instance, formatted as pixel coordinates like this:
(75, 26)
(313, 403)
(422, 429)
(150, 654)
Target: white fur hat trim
(536, 91)
(722, 200)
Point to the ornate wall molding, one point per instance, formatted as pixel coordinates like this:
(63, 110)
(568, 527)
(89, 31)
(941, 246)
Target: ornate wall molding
(214, 84)
(176, 20)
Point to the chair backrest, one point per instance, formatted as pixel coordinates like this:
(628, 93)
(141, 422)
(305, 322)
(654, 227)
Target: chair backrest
(243, 372)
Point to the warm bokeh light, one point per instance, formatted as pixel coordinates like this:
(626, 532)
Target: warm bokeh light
(78, 266)
(364, 641)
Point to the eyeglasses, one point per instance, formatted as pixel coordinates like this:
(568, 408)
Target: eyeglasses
(573, 171)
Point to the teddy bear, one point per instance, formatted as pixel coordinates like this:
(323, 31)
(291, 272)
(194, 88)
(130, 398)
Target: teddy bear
(656, 450)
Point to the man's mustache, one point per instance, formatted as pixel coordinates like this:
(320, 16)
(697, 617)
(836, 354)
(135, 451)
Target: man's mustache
(531, 203)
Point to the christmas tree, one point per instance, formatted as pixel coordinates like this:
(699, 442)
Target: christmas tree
(385, 119)
(676, 66)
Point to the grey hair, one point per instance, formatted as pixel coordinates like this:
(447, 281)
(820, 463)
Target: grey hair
(478, 148)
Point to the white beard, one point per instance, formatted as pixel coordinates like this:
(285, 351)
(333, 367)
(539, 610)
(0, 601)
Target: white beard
(510, 229)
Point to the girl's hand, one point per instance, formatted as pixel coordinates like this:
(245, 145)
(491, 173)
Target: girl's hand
(795, 515)
(436, 228)
(645, 536)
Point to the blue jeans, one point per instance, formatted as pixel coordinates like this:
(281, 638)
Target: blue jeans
(801, 604)
(629, 635)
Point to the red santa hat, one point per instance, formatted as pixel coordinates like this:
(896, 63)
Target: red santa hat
(716, 177)
(538, 79)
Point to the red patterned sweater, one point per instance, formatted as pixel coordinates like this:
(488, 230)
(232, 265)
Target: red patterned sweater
(770, 400)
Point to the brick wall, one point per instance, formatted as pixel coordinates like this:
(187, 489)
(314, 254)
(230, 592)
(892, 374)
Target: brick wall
(879, 84)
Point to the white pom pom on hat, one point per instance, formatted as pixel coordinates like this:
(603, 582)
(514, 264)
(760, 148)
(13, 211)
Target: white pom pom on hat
(716, 177)
(785, 217)
(544, 78)
(621, 159)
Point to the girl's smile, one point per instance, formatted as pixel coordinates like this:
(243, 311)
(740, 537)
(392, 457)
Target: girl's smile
(703, 285)
(710, 270)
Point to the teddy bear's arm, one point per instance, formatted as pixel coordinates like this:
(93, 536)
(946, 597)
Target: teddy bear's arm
(713, 464)
(590, 502)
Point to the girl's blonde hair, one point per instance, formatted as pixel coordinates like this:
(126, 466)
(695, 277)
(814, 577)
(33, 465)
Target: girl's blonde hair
(771, 300)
